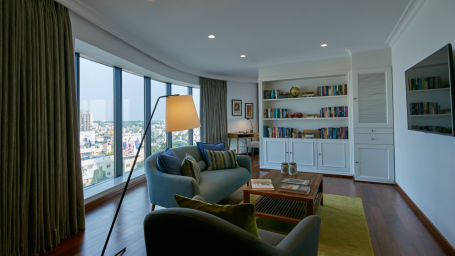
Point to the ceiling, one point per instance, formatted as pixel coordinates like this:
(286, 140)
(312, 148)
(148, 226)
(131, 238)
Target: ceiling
(268, 31)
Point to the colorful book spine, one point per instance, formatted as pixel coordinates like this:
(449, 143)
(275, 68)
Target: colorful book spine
(334, 133)
(332, 90)
(330, 112)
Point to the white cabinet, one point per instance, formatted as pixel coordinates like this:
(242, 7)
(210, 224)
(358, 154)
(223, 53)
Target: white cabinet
(313, 155)
(373, 125)
(372, 95)
(333, 156)
(303, 153)
(374, 163)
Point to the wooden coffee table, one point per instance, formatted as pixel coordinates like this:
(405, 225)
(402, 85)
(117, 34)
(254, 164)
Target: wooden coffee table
(286, 206)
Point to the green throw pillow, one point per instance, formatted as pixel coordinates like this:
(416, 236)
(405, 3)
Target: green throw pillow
(190, 168)
(219, 160)
(242, 215)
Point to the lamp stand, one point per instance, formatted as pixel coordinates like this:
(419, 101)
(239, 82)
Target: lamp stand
(122, 251)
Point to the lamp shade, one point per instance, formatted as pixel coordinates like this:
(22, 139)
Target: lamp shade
(181, 113)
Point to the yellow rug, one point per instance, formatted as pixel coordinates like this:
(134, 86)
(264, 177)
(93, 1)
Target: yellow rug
(344, 229)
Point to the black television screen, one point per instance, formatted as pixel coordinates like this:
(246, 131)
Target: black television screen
(430, 92)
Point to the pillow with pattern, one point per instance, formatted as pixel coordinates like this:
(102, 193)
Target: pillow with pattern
(219, 160)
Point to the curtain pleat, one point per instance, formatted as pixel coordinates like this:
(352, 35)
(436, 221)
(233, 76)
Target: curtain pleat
(213, 110)
(41, 188)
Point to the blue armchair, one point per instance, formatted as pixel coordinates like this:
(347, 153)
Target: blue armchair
(214, 185)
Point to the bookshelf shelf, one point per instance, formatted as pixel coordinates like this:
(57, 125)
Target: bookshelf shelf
(429, 90)
(305, 119)
(430, 115)
(309, 98)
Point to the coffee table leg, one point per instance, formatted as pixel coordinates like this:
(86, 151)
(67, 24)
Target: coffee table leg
(320, 190)
(246, 197)
(309, 207)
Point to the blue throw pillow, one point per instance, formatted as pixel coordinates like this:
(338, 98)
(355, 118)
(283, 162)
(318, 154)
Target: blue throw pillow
(213, 147)
(168, 162)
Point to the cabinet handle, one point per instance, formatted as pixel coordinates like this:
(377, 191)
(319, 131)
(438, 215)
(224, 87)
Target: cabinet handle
(355, 98)
(319, 154)
(356, 162)
(373, 130)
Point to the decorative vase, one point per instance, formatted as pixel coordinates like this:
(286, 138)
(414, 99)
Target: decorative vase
(284, 168)
(292, 168)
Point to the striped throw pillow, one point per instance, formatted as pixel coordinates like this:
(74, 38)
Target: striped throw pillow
(219, 160)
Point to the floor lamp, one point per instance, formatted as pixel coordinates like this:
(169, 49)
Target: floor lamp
(180, 115)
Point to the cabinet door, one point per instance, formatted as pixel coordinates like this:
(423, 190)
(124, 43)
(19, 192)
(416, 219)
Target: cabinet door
(275, 151)
(333, 156)
(374, 163)
(303, 153)
(373, 98)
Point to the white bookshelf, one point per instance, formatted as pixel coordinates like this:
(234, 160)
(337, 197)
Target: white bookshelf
(318, 155)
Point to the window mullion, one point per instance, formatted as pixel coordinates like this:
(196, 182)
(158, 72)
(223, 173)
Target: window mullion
(118, 156)
(147, 113)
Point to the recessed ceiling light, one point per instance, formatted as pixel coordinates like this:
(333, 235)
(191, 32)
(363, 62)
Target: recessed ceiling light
(242, 56)
(323, 45)
(211, 36)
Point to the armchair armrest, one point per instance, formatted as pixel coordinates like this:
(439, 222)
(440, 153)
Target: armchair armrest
(163, 186)
(245, 162)
(304, 238)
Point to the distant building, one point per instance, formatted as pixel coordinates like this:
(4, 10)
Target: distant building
(86, 120)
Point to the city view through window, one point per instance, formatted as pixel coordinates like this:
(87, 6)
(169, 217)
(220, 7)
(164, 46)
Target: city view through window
(97, 138)
(96, 122)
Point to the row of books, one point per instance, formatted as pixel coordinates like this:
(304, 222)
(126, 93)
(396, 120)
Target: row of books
(333, 90)
(278, 132)
(334, 133)
(276, 113)
(424, 108)
(340, 111)
(275, 94)
(424, 83)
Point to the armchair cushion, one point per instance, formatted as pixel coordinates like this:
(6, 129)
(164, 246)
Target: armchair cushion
(168, 162)
(214, 147)
(242, 215)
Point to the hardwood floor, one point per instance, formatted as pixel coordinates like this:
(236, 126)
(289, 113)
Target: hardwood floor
(394, 228)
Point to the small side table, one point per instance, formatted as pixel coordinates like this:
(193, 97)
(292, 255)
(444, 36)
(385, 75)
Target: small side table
(238, 136)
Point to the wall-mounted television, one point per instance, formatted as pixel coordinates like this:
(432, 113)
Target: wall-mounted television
(430, 93)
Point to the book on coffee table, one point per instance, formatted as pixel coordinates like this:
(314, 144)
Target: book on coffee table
(296, 181)
(262, 184)
(294, 188)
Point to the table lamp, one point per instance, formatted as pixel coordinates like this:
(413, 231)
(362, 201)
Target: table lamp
(180, 115)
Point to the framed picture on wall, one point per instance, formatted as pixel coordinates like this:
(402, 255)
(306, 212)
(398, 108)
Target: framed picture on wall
(249, 110)
(237, 107)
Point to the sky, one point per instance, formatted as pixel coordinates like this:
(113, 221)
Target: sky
(96, 92)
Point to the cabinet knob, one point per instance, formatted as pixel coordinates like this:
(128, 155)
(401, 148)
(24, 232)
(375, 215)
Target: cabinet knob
(356, 162)
(373, 138)
(355, 98)
(319, 154)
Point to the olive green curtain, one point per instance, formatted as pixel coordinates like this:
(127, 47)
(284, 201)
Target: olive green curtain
(41, 195)
(213, 110)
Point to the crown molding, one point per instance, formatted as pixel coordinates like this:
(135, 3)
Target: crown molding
(405, 19)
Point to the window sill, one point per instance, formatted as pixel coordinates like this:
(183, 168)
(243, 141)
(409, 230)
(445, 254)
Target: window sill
(104, 188)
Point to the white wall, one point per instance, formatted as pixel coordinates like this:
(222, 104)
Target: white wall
(248, 93)
(424, 163)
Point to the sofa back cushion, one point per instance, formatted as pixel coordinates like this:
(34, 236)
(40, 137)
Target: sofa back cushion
(242, 215)
(219, 160)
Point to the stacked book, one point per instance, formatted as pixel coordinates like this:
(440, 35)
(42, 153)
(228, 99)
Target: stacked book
(262, 184)
(276, 113)
(334, 133)
(295, 186)
(333, 90)
(424, 108)
(271, 94)
(341, 111)
(425, 83)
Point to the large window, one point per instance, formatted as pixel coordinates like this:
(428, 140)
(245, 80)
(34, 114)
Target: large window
(110, 136)
(96, 122)
(158, 125)
(180, 138)
(132, 119)
(197, 100)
